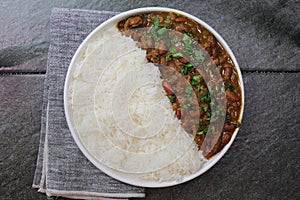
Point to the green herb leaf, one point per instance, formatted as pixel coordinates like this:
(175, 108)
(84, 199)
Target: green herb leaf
(199, 56)
(200, 132)
(188, 90)
(200, 87)
(187, 43)
(162, 31)
(173, 50)
(172, 98)
(217, 113)
(229, 86)
(205, 97)
(175, 40)
(184, 70)
(189, 65)
(196, 79)
(227, 119)
(177, 55)
(156, 21)
(205, 108)
(168, 57)
(152, 32)
(237, 124)
(186, 106)
(186, 39)
(204, 131)
(191, 34)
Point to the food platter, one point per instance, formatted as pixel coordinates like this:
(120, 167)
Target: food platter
(125, 111)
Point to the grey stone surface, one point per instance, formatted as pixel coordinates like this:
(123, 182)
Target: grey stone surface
(264, 35)
(263, 162)
(20, 108)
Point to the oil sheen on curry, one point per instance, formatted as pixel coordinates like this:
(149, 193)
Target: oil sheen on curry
(198, 75)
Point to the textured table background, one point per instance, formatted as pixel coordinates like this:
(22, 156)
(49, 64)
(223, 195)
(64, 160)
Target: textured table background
(263, 162)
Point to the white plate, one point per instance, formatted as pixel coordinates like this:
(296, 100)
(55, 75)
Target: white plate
(125, 177)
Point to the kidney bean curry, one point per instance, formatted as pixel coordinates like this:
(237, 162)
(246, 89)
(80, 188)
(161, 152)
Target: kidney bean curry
(179, 45)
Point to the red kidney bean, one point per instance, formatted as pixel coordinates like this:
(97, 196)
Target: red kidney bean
(213, 40)
(224, 59)
(180, 19)
(173, 16)
(136, 21)
(225, 138)
(215, 53)
(227, 73)
(229, 127)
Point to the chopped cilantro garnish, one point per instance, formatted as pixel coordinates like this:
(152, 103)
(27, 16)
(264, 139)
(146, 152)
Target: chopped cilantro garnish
(186, 39)
(174, 55)
(186, 106)
(205, 108)
(237, 124)
(175, 40)
(200, 132)
(154, 28)
(191, 34)
(199, 56)
(227, 119)
(212, 102)
(229, 86)
(168, 57)
(152, 32)
(172, 98)
(188, 90)
(177, 55)
(173, 50)
(217, 113)
(162, 31)
(200, 87)
(204, 131)
(187, 43)
(205, 97)
(156, 21)
(189, 65)
(196, 79)
(184, 70)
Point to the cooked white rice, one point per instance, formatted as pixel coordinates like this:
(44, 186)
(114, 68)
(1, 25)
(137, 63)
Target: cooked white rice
(123, 116)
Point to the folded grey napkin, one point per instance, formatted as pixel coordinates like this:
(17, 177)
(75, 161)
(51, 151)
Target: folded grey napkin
(62, 170)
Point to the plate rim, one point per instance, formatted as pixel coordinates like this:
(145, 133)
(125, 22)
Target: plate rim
(118, 175)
